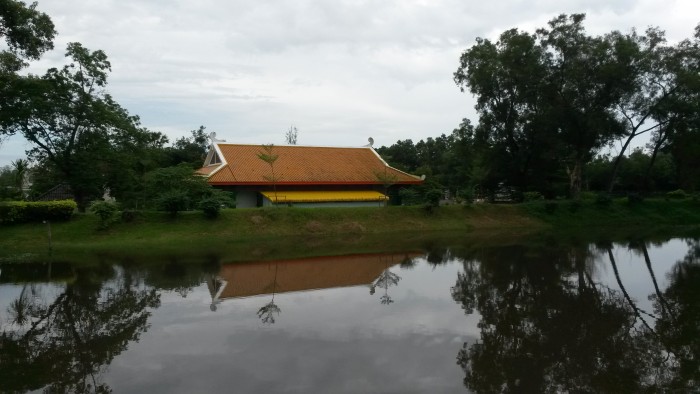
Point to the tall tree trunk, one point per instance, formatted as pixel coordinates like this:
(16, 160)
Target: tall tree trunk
(654, 153)
(575, 179)
(662, 301)
(618, 160)
(80, 200)
(624, 291)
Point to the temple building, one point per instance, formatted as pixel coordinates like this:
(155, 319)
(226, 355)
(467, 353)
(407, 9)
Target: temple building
(302, 176)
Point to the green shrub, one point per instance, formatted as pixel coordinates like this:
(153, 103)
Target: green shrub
(106, 211)
(550, 206)
(129, 215)
(165, 183)
(634, 198)
(603, 199)
(173, 201)
(466, 195)
(409, 196)
(210, 206)
(433, 196)
(27, 212)
(574, 205)
(677, 194)
(588, 196)
(532, 196)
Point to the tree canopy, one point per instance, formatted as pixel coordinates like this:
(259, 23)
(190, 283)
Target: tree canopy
(27, 32)
(556, 103)
(75, 125)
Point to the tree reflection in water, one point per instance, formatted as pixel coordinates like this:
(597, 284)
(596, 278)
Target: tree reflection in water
(266, 314)
(547, 326)
(679, 328)
(385, 280)
(63, 344)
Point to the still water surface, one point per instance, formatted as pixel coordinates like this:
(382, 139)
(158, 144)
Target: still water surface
(559, 317)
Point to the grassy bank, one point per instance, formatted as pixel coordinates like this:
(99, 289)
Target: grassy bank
(246, 234)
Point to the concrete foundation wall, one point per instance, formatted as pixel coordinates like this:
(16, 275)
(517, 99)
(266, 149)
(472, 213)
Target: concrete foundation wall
(246, 199)
(267, 203)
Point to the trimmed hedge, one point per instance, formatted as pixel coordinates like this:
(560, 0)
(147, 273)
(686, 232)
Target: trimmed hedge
(36, 211)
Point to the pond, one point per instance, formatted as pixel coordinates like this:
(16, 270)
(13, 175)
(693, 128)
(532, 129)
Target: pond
(546, 316)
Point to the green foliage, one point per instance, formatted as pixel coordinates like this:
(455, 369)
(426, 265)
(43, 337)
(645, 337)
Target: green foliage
(26, 212)
(549, 101)
(634, 198)
(677, 194)
(190, 150)
(27, 32)
(173, 201)
(76, 129)
(603, 199)
(466, 195)
(20, 167)
(8, 189)
(218, 199)
(106, 211)
(210, 207)
(550, 206)
(179, 178)
(433, 197)
(574, 205)
(386, 179)
(178, 188)
(129, 215)
(409, 196)
(429, 208)
(269, 157)
(532, 196)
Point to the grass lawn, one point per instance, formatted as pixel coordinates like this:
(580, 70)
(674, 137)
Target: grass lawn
(244, 234)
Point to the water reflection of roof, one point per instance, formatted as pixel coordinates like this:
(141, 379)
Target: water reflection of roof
(281, 276)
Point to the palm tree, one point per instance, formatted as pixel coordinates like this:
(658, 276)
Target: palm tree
(20, 166)
(21, 308)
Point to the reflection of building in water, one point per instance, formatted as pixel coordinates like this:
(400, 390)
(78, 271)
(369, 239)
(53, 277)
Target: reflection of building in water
(216, 285)
(283, 276)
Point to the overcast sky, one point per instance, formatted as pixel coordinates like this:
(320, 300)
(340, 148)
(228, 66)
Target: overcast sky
(340, 71)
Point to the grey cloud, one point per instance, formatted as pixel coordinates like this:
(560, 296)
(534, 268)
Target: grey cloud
(382, 67)
(278, 362)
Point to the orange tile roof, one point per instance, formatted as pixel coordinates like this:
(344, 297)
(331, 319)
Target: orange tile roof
(303, 165)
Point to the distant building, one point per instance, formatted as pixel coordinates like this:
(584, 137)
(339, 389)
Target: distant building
(59, 192)
(305, 176)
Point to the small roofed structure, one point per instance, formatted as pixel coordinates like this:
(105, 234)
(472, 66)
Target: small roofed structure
(305, 176)
(59, 192)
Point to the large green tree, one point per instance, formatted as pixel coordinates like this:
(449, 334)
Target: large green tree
(191, 150)
(28, 33)
(73, 124)
(678, 118)
(547, 100)
(508, 79)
